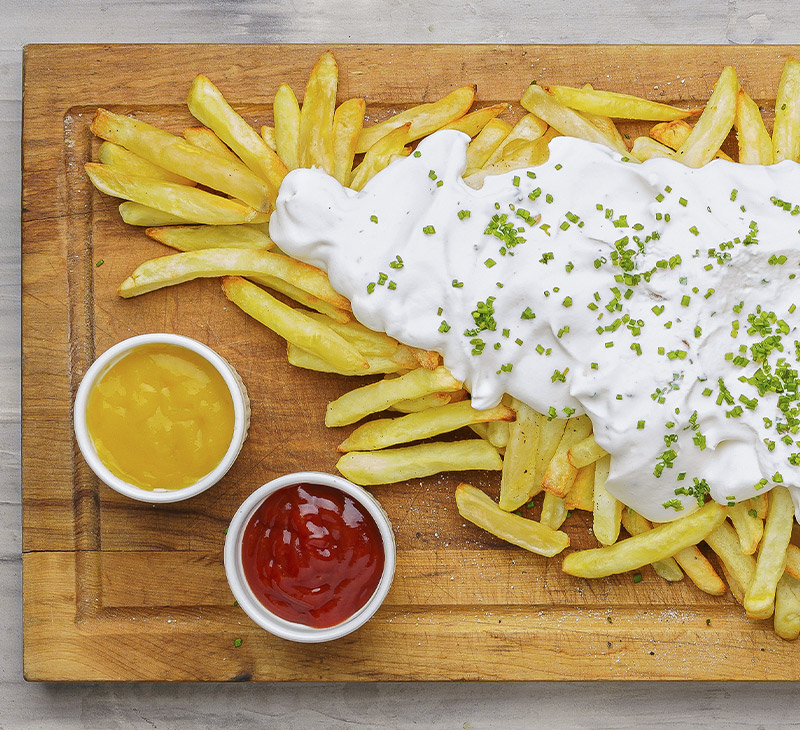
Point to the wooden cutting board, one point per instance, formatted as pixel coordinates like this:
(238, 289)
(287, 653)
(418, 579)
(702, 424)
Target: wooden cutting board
(119, 590)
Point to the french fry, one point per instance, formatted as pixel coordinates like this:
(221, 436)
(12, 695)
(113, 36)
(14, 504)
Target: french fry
(581, 493)
(659, 543)
(565, 120)
(356, 404)
(475, 506)
(387, 432)
(700, 571)
(137, 214)
(117, 156)
(760, 503)
(369, 468)
(529, 128)
(423, 403)
(286, 112)
(209, 106)
(427, 358)
(517, 483)
(793, 560)
(205, 139)
(738, 567)
(755, 145)
(585, 452)
(618, 106)
(607, 515)
(195, 238)
(484, 144)
(786, 128)
(379, 156)
(560, 473)
(472, 123)
(291, 324)
(635, 524)
(554, 511)
(376, 364)
(365, 340)
(178, 156)
(316, 115)
(320, 306)
(674, 134)
(187, 203)
(787, 608)
(268, 135)
(498, 434)
(714, 123)
(348, 121)
(181, 267)
(759, 600)
(645, 148)
(424, 119)
(749, 526)
(549, 438)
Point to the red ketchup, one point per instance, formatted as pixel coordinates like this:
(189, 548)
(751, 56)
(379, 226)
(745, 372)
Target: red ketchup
(312, 555)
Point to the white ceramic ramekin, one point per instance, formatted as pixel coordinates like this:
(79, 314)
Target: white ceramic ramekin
(260, 613)
(241, 410)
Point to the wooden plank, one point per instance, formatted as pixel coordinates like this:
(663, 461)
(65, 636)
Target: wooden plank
(126, 591)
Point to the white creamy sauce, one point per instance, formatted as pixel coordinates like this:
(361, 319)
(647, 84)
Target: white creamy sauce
(656, 298)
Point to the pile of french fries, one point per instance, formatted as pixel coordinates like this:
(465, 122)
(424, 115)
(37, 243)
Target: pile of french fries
(209, 194)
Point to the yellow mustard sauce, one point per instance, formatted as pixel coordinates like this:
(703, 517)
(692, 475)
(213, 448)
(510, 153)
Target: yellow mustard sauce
(161, 417)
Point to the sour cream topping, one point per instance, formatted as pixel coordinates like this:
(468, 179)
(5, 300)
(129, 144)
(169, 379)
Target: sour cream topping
(658, 299)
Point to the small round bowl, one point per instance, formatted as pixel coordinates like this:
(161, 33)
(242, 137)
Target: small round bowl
(241, 411)
(260, 613)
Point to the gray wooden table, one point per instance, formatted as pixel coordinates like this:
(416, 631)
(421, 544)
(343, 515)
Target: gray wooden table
(438, 706)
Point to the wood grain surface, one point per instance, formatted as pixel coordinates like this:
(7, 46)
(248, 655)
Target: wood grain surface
(119, 590)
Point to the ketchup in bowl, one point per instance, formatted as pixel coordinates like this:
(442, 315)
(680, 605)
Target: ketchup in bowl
(312, 554)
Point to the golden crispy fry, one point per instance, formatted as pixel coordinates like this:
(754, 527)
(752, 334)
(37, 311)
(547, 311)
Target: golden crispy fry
(188, 203)
(550, 437)
(194, 238)
(268, 135)
(136, 214)
(415, 405)
(286, 112)
(117, 156)
(674, 134)
(585, 452)
(786, 128)
(178, 156)
(659, 543)
(376, 364)
(793, 560)
(755, 145)
(607, 515)
(645, 148)
(618, 106)
(517, 483)
(759, 600)
(360, 402)
(379, 156)
(427, 358)
(738, 567)
(787, 608)
(475, 506)
(474, 122)
(529, 129)
(565, 120)
(209, 106)
(749, 526)
(291, 324)
(412, 462)
(180, 267)
(714, 123)
(484, 144)
(424, 119)
(560, 473)
(760, 503)
(320, 306)
(365, 340)
(519, 155)
(635, 524)
(387, 432)
(581, 493)
(498, 431)
(554, 511)
(348, 121)
(700, 571)
(205, 139)
(316, 115)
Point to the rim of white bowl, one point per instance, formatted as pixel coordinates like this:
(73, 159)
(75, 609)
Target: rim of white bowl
(241, 411)
(261, 614)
